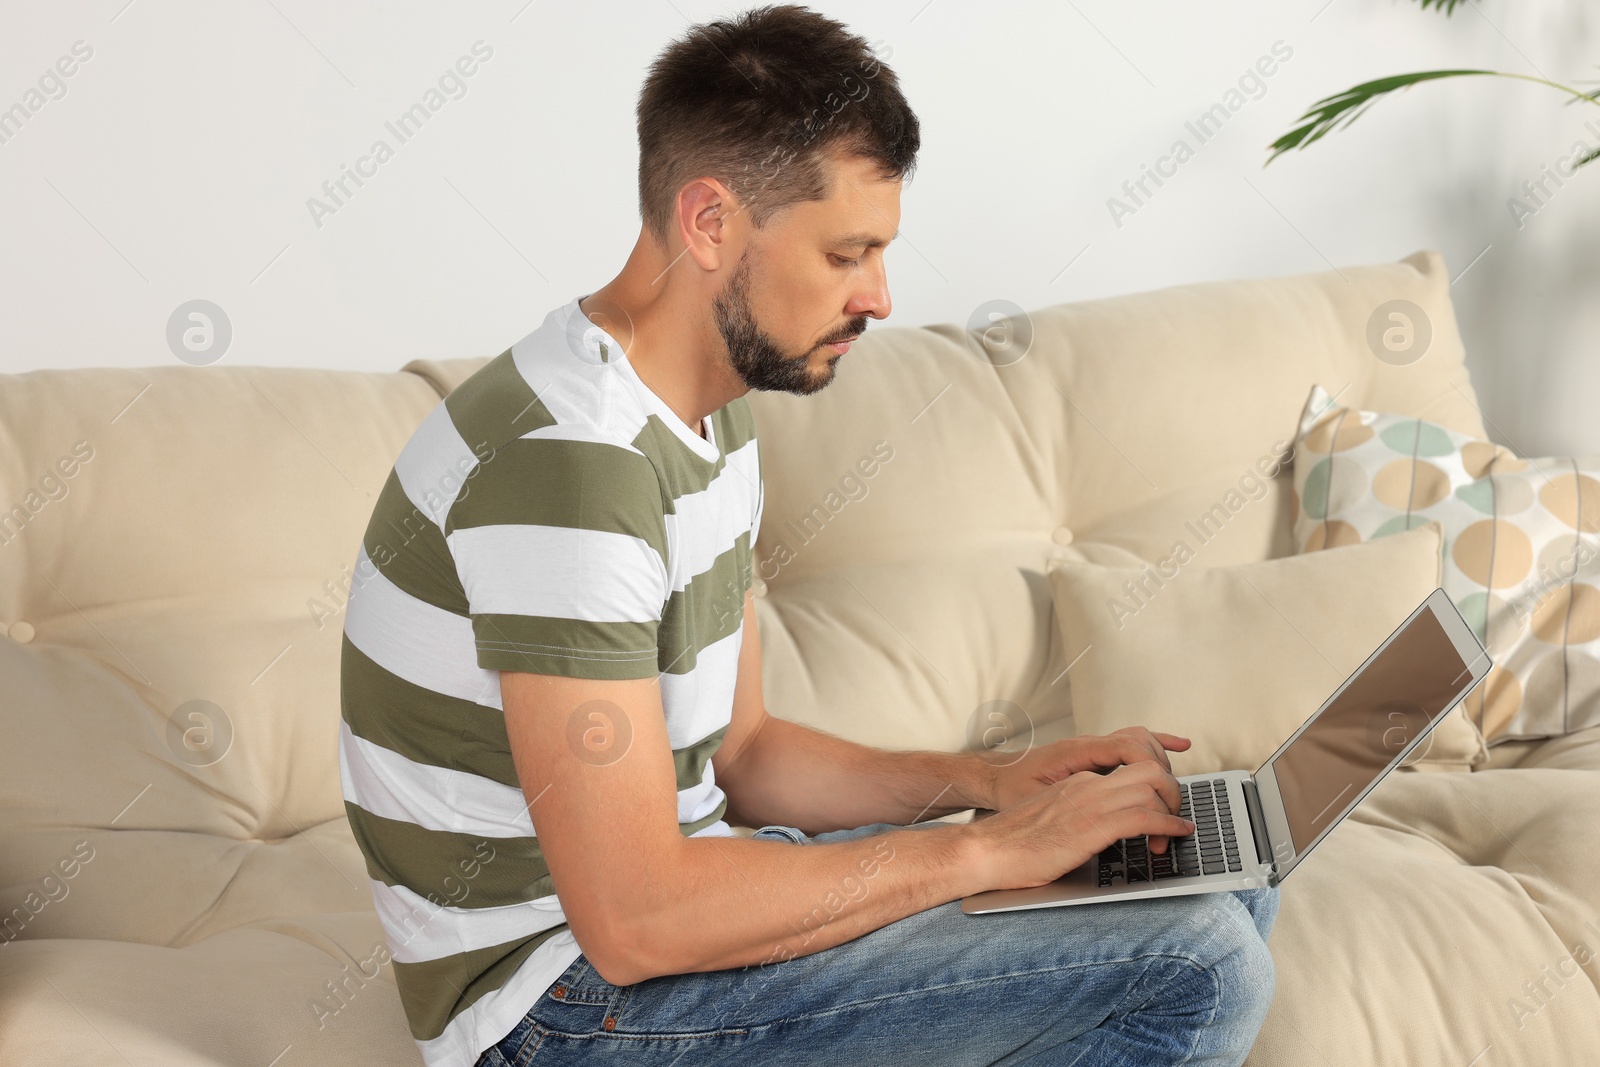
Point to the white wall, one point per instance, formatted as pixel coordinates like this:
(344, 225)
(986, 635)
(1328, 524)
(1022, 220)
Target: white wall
(179, 162)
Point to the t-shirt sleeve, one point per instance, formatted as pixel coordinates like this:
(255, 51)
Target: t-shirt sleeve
(561, 548)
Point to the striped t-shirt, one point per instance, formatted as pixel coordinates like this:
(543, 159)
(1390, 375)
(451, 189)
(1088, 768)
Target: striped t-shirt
(551, 515)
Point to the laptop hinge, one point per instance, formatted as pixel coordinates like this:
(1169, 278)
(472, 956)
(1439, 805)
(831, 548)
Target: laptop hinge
(1258, 827)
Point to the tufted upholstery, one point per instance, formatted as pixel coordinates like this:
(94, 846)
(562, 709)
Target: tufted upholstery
(169, 670)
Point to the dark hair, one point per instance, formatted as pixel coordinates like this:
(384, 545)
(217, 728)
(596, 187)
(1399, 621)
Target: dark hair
(757, 101)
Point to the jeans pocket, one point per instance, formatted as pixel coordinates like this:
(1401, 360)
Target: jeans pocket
(508, 1050)
(580, 983)
(493, 1057)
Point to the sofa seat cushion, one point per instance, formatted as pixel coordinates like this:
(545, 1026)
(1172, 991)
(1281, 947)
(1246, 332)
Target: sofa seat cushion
(175, 888)
(1579, 750)
(311, 990)
(1408, 934)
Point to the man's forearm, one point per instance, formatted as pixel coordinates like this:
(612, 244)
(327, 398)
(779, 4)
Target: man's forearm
(796, 776)
(734, 902)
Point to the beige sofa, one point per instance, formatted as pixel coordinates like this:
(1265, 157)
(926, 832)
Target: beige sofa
(179, 883)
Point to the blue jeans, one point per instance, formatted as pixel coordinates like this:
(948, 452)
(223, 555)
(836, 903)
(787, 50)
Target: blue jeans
(1170, 980)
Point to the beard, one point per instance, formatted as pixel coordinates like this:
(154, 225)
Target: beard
(758, 360)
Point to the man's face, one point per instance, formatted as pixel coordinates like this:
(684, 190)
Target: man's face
(813, 276)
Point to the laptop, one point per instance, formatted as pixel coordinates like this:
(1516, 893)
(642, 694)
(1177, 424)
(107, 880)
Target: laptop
(1251, 830)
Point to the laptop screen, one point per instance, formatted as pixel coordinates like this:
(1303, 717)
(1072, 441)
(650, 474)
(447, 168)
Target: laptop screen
(1411, 682)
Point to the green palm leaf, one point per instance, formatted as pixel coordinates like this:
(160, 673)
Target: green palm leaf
(1341, 109)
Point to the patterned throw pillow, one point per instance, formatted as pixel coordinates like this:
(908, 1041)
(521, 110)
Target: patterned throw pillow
(1521, 549)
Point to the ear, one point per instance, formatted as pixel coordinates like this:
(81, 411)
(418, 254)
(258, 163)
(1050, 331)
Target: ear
(704, 206)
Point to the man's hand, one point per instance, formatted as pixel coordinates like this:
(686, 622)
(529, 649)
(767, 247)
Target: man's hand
(1050, 763)
(1064, 825)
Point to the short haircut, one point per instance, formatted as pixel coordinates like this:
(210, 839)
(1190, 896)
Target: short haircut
(758, 101)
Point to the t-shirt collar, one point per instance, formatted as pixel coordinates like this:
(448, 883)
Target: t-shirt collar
(704, 447)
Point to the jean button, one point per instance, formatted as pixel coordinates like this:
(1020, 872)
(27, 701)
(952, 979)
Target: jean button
(559, 991)
(610, 1023)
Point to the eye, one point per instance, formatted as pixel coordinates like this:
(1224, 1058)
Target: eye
(843, 261)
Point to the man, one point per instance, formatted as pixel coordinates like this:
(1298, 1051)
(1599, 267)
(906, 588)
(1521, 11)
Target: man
(553, 712)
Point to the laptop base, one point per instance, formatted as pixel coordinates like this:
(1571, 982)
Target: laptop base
(1082, 884)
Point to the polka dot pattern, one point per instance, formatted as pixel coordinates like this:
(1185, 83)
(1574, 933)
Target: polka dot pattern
(1331, 535)
(1413, 437)
(1335, 434)
(1573, 498)
(1493, 554)
(1521, 548)
(1410, 485)
(1477, 455)
(1570, 614)
(1334, 483)
(1398, 524)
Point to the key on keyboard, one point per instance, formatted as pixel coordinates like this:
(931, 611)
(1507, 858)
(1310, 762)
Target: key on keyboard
(1211, 849)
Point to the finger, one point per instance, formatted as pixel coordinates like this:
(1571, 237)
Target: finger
(1151, 749)
(1176, 742)
(1138, 743)
(1160, 826)
(1121, 748)
(1158, 842)
(1149, 773)
(1108, 752)
(1150, 797)
(1167, 786)
(1156, 825)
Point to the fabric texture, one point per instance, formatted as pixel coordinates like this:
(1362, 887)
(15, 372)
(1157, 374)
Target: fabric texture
(553, 516)
(1521, 555)
(1173, 649)
(1169, 980)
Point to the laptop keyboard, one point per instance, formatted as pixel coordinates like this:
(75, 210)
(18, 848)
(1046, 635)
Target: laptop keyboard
(1211, 849)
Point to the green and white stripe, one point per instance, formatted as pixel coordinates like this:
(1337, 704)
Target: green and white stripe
(551, 515)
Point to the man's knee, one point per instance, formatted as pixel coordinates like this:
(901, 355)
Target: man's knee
(1232, 948)
(1211, 958)
(1262, 903)
(1195, 980)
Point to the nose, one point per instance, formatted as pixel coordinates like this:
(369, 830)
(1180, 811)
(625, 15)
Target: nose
(872, 299)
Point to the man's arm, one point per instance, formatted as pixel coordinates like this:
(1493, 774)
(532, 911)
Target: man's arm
(776, 771)
(644, 900)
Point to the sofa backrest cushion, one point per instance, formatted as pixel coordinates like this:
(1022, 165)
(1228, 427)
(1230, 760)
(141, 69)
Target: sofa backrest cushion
(174, 560)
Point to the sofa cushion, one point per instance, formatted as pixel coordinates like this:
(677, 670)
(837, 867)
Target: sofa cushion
(1235, 658)
(296, 990)
(1522, 548)
(172, 618)
(1579, 750)
(1450, 920)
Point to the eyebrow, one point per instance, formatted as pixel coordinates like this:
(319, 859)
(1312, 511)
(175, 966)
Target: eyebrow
(865, 240)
